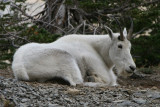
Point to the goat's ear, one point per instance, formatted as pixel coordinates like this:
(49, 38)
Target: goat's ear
(125, 32)
(110, 32)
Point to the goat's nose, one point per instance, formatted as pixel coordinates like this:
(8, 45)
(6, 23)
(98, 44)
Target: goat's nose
(132, 68)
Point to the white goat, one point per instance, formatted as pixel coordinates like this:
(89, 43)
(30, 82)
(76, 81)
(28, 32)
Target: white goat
(74, 56)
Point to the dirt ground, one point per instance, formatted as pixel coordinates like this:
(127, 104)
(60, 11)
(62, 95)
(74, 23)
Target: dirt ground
(140, 90)
(140, 79)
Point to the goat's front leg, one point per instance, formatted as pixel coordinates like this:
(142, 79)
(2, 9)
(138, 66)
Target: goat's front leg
(97, 71)
(93, 78)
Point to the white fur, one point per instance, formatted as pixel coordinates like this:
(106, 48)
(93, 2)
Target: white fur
(72, 57)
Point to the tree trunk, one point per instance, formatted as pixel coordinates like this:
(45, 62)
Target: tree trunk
(61, 18)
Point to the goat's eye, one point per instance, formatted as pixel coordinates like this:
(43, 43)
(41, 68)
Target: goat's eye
(120, 46)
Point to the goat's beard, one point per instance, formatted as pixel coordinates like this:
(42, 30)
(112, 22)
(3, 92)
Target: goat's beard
(120, 71)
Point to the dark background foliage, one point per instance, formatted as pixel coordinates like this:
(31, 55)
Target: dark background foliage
(62, 17)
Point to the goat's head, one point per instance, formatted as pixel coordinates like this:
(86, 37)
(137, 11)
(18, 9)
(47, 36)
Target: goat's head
(119, 51)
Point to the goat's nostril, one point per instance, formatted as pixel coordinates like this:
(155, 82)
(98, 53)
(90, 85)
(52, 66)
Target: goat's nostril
(132, 68)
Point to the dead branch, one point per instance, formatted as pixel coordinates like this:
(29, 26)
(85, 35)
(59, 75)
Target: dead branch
(142, 30)
(13, 34)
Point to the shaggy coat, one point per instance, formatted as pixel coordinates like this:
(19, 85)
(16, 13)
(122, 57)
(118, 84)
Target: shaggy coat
(73, 57)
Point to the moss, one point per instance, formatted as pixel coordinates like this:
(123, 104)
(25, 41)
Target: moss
(146, 70)
(5, 102)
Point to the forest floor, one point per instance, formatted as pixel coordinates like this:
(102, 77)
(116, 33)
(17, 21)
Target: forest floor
(139, 90)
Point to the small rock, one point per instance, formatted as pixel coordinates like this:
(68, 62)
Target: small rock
(154, 88)
(129, 92)
(85, 104)
(56, 95)
(1, 77)
(81, 103)
(139, 100)
(54, 105)
(108, 100)
(118, 101)
(24, 100)
(23, 105)
(73, 91)
(126, 103)
(143, 91)
(137, 94)
(68, 99)
(21, 94)
(49, 99)
(154, 96)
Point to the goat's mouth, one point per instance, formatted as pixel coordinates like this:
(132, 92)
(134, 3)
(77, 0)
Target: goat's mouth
(129, 71)
(124, 72)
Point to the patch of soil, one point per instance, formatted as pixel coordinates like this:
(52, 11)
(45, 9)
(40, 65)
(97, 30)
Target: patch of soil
(7, 73)
(139, 90)
(139, 79)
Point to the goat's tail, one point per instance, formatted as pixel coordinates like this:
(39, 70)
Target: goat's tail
(20, 72)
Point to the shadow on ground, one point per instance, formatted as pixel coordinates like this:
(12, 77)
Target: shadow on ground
(140, 79)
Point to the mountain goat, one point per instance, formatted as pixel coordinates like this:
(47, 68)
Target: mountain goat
(72, 57)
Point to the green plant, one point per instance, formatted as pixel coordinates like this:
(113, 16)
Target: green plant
(14, 30)
(40, 35)
(146, 50)
(146, 70)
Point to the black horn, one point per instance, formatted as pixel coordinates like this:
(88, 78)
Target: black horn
(120, 28)
(130, 32)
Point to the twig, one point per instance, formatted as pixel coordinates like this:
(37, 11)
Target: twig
(77, 28)
(142, 30)
(95, 30)
(37, 20)
(69, 23)
(84, 25)
(13, 35)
